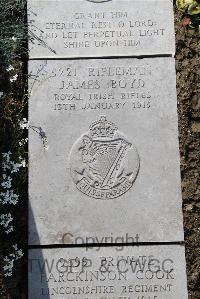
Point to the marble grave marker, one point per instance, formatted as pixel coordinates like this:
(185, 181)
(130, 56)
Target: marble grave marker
(141, 272)
(83, 28)
(103, 151)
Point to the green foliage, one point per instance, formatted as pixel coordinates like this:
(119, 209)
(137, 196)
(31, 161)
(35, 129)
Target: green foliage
(191, 11)
(192, 7)
(13, 108)
(13, 30)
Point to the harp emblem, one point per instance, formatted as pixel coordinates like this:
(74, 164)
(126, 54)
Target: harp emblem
(99, 161)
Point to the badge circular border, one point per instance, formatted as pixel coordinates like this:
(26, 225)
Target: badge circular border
(81, 170)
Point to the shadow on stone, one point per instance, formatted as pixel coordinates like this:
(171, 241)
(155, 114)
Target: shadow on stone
(37, 266)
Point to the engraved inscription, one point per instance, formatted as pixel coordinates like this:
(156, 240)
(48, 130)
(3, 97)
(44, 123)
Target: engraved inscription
(99, 28)
(104, 164)
(102, 88)
(139, 272)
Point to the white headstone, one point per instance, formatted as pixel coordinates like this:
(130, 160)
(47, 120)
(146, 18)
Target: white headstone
(103, 151)
(144, 272)
(83, 28)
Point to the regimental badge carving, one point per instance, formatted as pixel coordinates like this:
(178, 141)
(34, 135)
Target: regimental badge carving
(104, 164)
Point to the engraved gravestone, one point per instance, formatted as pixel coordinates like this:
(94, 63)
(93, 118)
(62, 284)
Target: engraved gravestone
(84, 28)
(97, 158)
(142, 272)
(103, 151)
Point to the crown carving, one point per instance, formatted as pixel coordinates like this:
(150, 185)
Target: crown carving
(103, 128)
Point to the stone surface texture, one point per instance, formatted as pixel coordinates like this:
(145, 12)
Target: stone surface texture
(82, 28)
(103, 152)
(153, 272)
